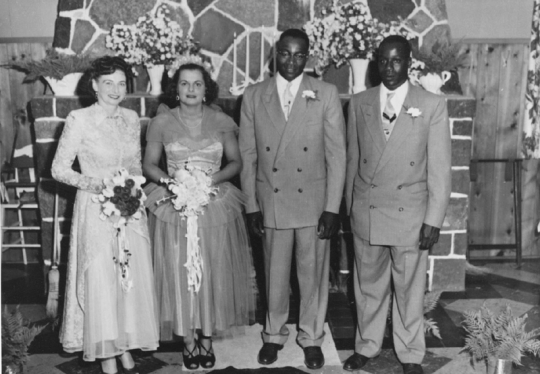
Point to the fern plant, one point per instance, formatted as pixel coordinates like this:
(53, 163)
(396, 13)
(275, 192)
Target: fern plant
(17, 335)
(500, 336)
(441, 57)
(430, 302)
(55, 65)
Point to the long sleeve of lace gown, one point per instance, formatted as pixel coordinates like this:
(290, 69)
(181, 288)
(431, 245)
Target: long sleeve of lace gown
(135, 166)
(62, 167)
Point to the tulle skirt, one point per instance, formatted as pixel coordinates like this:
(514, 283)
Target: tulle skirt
(226, 298)
(101, 319)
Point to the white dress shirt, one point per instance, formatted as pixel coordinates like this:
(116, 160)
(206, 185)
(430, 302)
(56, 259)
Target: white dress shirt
(282, 84)
(397, 100)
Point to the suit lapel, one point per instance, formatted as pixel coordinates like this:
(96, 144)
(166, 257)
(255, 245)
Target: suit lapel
(297, 115)
(372, 114)
(273, 106)
(404, 124)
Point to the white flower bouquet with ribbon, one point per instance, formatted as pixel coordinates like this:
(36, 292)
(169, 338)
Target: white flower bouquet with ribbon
(191, 190)
(122, 202)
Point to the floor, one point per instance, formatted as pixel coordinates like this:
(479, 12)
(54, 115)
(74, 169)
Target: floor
(501, 284)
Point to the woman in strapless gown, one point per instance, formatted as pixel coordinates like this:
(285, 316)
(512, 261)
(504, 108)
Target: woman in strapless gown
(195, 134)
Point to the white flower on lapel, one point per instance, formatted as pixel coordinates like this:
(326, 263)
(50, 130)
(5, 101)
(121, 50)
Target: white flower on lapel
(310, 95)
(413, 112)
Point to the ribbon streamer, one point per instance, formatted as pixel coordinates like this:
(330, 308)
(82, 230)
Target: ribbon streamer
(122, 259)
(194, 263)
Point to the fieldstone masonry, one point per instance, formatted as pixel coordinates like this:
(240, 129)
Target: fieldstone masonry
(447, 261)
(81, 26)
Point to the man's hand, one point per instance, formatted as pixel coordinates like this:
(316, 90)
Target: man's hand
(328, 225)
(429, 235)
(255, 223)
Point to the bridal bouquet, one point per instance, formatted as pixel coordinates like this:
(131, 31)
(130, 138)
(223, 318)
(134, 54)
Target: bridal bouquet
(191, 190)
(155, 39)
(122, 202)
(346, 31)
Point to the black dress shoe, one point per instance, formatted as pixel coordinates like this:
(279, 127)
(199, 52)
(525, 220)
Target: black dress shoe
(412, 369)
(268, 353)
(313, 357)
(355, 362)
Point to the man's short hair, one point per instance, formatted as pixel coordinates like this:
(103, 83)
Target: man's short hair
(295, 33)
(397, 39)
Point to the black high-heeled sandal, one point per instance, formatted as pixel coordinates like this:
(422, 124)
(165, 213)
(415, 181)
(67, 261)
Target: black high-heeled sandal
(191, 361)
(208, 359)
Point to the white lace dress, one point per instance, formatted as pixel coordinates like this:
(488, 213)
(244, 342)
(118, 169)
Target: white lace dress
(99, 318)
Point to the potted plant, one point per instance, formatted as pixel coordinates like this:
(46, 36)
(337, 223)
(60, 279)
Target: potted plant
(154, 41)
(17, 335)
(499, 340)
(438, 65)
(61, 71)
(348, 33)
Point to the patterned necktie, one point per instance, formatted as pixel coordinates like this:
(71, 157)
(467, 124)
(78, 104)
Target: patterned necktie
(389, 116)
(287, 100)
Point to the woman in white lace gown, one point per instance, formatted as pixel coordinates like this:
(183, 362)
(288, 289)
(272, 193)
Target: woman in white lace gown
(100, 319)
(195, 134)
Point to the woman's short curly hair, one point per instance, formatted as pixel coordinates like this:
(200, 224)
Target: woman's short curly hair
(212, 88)
(107, 65)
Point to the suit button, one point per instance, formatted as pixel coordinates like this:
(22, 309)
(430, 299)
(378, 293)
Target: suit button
(276, 190)
(305, 149)
(373, 186)
(300, 190)
(399, 187)
(400, 209)
(274, 170)
(371, 207)
(412, 163)
(365, 161)
(268, 149)
(299, 170)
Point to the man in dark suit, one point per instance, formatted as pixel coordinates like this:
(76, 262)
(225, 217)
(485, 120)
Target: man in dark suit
(292, 142)
(397, 191)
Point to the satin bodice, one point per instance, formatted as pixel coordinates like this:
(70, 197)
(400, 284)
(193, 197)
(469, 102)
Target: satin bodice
(208, 157)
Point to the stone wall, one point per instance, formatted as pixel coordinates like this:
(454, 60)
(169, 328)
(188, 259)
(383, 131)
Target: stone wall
(81, 26)
(447, 260)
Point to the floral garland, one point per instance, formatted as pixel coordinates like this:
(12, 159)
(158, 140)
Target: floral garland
(122, 202)
(531, 127)
(347, 31)
(154, 40)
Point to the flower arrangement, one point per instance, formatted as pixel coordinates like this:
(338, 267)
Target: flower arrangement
(54, 65)
(502, 336)
(154, 40)
(17, 335)
(346, 31)
(441, 57)
(122, 202)
(191, 190)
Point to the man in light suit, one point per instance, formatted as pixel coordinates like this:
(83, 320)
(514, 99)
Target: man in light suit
(292, 142)
(397, 190)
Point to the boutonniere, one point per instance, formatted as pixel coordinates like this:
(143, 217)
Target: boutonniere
(413, 112)
(310, 95)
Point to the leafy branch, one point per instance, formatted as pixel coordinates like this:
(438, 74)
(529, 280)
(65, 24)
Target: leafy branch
(502, 336)
(55, 65)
